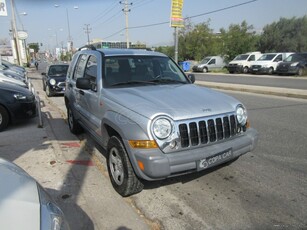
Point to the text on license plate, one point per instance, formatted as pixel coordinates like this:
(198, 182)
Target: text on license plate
(215, 159)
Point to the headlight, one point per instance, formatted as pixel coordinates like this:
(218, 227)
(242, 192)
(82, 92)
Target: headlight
(51, 215)
(294, 64)
(52, 82)
(19, 96)
(241, 115)
(162, 128)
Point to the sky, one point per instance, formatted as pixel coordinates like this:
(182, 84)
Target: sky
(51, 21)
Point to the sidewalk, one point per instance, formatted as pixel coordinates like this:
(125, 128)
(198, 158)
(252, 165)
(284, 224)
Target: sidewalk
(69, 170)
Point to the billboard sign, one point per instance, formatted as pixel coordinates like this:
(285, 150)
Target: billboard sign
(176, 14)
(3, 11)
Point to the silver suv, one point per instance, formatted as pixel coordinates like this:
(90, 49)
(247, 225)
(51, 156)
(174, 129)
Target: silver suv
(149, 116)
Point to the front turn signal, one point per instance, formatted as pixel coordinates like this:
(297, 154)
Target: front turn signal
(143, 144)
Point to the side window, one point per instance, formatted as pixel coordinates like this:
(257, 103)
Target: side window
(278, 58)
(91, 71)
(251, 58)
(212, 62)
(79, 70)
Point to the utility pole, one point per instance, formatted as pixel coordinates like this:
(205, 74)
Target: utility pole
(15, 34)
(126, 10)
(87, 31)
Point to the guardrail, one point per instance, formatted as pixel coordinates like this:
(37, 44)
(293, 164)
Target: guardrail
(38, 104)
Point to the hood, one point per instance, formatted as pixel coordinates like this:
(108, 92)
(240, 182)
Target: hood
(236, 62)
(10, 80)
(19, 199)
(262, 62)
(177, 101)
(57, 78)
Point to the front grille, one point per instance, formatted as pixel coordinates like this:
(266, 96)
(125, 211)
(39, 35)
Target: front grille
(61, 84)
(256, 66)
(205, 131)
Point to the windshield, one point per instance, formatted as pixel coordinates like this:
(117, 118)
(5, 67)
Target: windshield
(294, 58)
(241, 57)
(130, 71)
(267, 57)
(205, 60)
(58, 70)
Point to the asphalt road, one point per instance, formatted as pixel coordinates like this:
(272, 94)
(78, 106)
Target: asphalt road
(258, 80)
(265, 189)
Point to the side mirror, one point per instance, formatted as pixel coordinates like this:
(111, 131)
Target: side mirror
(83, 83)
(191, 77)
(44, 74)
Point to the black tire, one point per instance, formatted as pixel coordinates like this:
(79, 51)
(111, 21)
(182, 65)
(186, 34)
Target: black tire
(245, 69)
(74, 126)
(205, 70)
(48, 93)
(300, 72)
(121, 173)
(271, 70)
(44, 86)
(4, 118)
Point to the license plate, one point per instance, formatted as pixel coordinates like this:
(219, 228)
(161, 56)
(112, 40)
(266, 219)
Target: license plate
(215, 159)
(255, 69)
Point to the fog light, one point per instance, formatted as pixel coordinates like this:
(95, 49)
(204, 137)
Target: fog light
(173, 144)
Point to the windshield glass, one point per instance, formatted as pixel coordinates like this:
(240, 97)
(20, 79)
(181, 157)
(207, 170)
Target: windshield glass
(241, 57)
(58, 70)
(267, 57)
(128, 71)
(205, 60)
(294, 58)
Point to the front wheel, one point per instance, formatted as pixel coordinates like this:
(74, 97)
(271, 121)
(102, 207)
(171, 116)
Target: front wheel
(74, 126)
(271, 70)
(4, 118)
(121, 173)
(205, 70)
(300, 72)
(48, 92)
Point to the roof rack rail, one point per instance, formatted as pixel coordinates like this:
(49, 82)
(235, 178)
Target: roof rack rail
(89, 47)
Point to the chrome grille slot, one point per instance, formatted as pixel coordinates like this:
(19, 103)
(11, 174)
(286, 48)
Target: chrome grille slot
(207, 130)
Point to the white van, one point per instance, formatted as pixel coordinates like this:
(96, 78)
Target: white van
(268, 62)
(242, 62)
(210, 63)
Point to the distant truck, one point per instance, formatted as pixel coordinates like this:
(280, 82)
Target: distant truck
(210, 63)
(242, 62)
(268, 63)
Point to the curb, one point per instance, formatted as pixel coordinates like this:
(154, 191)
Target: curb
(284, 92)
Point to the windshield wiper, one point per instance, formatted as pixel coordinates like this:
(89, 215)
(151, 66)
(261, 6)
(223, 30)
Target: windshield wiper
(167, 80)
(134, 82)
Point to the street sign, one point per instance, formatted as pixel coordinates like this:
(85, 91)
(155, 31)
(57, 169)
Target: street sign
(3, 11)
(176, 14)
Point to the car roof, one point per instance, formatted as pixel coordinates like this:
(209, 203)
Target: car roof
(129, 52)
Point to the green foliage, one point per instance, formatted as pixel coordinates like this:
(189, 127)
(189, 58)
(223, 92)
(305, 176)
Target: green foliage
(286, 35)
(198, 41)
(34, 46)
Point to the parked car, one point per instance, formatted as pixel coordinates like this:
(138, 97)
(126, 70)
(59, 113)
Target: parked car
(13, 66)
(24, 203)
(268, 62)
(294, 64)
(54, 79)
(149, 116)
(11, 80)
(16, 103)
(210, 63)
(242, 62)
(7, 69)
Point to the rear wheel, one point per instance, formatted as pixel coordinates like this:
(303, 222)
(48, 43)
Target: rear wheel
(121, 173)
(4, 118)
(74, 126)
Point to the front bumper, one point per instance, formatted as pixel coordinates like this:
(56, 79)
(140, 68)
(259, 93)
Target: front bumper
(158, 165)
(235, 68)
(23, 111)
(287, 70)
(260, 70)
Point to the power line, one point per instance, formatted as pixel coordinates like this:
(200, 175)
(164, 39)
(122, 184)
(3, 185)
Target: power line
(199, 15)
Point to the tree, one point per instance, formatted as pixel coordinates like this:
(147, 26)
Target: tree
(34, 46)
(238, 39)
(286, 35)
